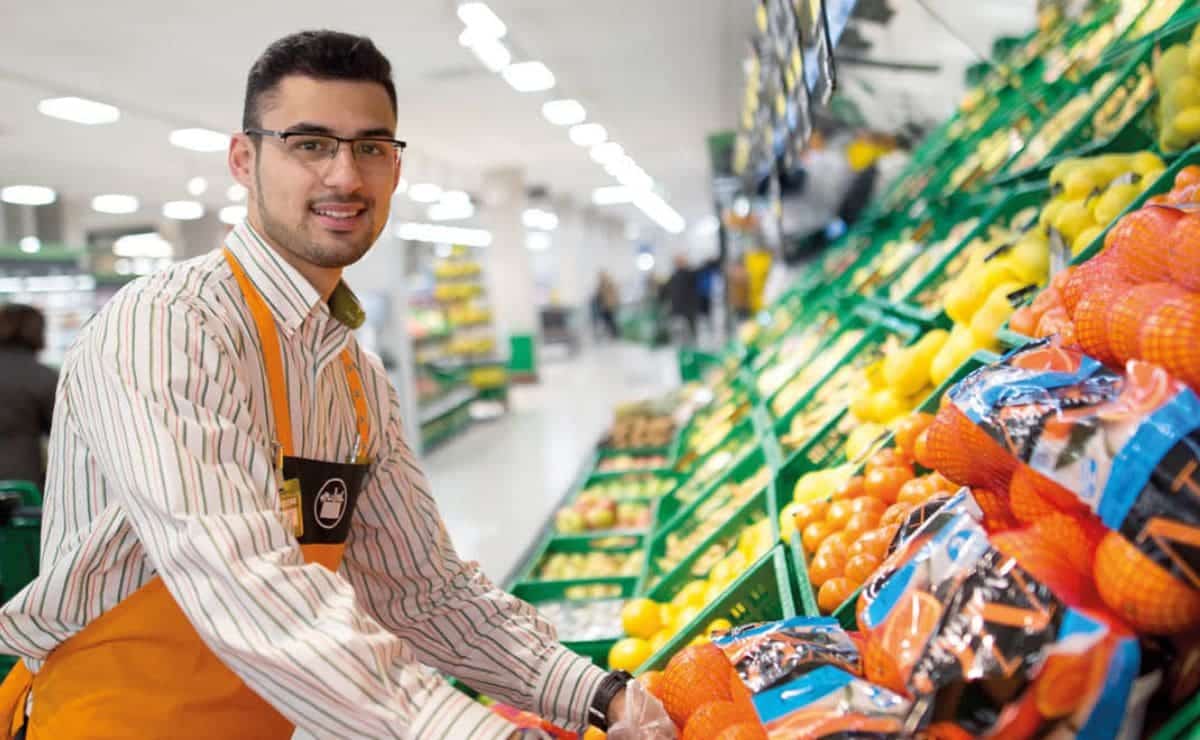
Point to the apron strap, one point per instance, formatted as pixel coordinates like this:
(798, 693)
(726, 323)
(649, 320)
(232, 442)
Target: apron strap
(273, 360)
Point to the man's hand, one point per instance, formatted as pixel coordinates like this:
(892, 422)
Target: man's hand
(636, 715)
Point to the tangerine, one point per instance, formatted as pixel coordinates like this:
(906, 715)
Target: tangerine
(1171, 338)
(808, 512)
(814, 534)
(833, 593)
(884, 483)
(714, 718)
(907, 628)
(1184, 253)
(997, 516)
(826, 565)
(964, 453)
(1061, 686)
(838, 514)
(1096, 271)
(838, 542)
(915, 491)
(908, 429)
(1144, 593)
(652, 681)
(861, 523)
(1023, 321)
(861, 567)
(1048, 565)
(880, 667)
(1091, 318)
(1138, 247)
(921, 446)
(1055, 495)
(888, 457)
(1129, 312)
(866, 503)
(1075, 537)
(874, 543)
(697, 675)
(852, 488)
(896, 513)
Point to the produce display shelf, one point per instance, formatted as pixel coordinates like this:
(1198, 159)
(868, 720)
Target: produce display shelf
(447, 404)
(792, 472)
(762, 593)
(572, 544)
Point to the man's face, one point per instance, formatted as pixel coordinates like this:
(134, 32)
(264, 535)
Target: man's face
(328, 213)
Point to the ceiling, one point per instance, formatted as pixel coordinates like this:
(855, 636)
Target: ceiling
(660, 76)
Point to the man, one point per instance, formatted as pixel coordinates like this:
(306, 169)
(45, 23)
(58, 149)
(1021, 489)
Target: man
(238, 539)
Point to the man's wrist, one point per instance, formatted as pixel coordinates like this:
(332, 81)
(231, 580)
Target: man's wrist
(613, 685)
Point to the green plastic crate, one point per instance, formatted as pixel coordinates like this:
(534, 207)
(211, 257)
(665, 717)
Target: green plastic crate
(691, 468)
(761, 594)
(1183, 725)
(582, 544)
(845, 613)
(547, 591)
(908, 306)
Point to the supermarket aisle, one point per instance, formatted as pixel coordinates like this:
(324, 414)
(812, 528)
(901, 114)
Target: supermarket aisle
(498, 483)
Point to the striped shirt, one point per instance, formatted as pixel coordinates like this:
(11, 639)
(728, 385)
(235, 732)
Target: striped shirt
(161, 463)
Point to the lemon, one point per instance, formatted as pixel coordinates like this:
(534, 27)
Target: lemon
(628, 654)
(1145, 162)
(714, 591)
(886, 404)
(660, 640)
(754, 540)
(667, 613)
(1073, 218)
(641, 618)
(688, 615)
(718, 625)
(700, 640)
(906, 370)
(787, 520)
(1085, 238)
(1187, 123)
(691, 595)
(859, 441)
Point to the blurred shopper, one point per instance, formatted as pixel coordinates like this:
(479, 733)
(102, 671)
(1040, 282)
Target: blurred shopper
(26, 394)
(683, 292)
(238, 537)
(737, 290)
(608, 300)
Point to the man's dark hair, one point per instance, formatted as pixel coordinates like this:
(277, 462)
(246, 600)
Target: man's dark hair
(22, 327)
(322, 55)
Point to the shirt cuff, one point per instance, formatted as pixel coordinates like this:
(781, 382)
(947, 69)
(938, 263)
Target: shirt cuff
(448, 714)
(566, 688)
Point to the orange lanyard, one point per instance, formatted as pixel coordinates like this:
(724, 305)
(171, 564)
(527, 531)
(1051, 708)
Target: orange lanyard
(273, 359)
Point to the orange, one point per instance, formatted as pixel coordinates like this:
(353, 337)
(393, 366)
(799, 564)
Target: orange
(653, 682)
(1032, 495)
(861, 567)
(1143, 592)
(874, 543)
(808, 512)
(997, 516)
(814, 534)
(1129, 312)
(1096, 271)
(884, 483)
(834, 593)
(1061, 686)
(1056, 321)
(964, 453)
(1171, 338)
(1184, 253)
(921, 446)
(861, 523)
(837, 543)
(743, 731)
(1091, 320)
(896, 513)
(1047, 565)
(1187, 177)
(851, 489)
(697, 675)
(907, 431)
(868, 504)
(739, 692)
(1139, 247)
(715, 717)
(838, 514)
(888, 457)
(1075, 537)
(941, 483)
(1023, 321)
(915, 491)
(826, 565)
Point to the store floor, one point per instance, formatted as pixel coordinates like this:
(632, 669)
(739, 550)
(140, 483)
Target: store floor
(497, 484)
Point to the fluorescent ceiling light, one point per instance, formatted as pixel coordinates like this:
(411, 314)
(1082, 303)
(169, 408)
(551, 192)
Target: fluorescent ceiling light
(480, 20)
(424, 192)
(28, 195)
(536, 218)
(492, 54)
(183, 210)
(635, 177)
(232, 215)
(149, 245)
(30, 244)
(529, 76)
(567, 112)
(455, 197)
(612, 195)
(649, 203)
(438, 234)
(79, 110)
(707, 226)
(115, 203)
(588, 134)
(199, 140)
(197, 186)
(450, 211)
(645, 262)
(236, 192)
(537, 241)
(607, 152)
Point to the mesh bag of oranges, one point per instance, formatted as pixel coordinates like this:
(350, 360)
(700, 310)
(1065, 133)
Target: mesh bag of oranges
(1063, 433)
(964, 628)
(766, 655)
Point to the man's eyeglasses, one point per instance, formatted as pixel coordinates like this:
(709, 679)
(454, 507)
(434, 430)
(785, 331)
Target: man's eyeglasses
(372, 153)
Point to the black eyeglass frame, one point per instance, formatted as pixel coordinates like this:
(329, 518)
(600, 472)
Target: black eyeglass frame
(283, 136)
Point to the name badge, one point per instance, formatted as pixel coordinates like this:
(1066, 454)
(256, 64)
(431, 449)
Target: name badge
(291, 506)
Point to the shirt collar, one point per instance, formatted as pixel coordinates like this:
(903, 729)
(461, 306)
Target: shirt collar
(286, 292)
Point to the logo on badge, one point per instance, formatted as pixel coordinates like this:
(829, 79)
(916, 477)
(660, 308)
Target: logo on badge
(330, 504)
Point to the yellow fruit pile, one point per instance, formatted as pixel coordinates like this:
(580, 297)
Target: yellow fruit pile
(445, 270)
(1093, 191)
(1177, 75)
(899, 382)
(1059, 124)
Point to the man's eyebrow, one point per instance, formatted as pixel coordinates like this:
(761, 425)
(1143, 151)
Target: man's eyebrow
(315, 128)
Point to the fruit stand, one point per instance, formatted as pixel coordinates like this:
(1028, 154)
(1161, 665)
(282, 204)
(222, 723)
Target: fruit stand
(917, 520)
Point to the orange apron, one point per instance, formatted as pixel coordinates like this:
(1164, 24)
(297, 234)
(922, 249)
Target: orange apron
(140, 670)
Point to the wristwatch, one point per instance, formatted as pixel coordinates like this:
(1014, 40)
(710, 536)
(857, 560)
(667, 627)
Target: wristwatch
(605, 693)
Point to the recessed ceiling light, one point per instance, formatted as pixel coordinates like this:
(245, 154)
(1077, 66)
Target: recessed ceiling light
(529, 76)
(588, 134)
(438, 234)
(149, 245)
(424, 192)
(197, 186)
(115, 203)
(537, 241)
(456, 197)
(612, 195)
(183, 210)
(536, 218)
(451, 210)
(565, 112)
(236, 192)
(79, 110)
(645, 262)
(28, 195)
(199, 140)
(232, 215)
(480, 19)
(491, 53)
(30, 244)
(606, 152)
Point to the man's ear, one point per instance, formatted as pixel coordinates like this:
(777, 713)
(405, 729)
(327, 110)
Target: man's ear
(241, 159)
